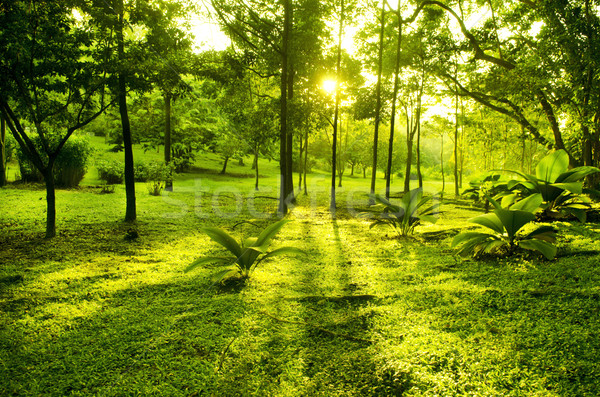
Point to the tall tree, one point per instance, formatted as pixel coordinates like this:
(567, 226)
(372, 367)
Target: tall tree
(378, 96)
(2, 151)
(51, 89)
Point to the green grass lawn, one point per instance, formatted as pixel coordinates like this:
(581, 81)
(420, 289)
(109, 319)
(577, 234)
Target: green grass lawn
(93, 312)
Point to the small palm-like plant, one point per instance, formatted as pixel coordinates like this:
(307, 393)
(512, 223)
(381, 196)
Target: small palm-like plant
(245, 255)
(508, 234)
(560, 187)
(408, 213)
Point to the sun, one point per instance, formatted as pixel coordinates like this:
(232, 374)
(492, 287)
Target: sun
(329, 86)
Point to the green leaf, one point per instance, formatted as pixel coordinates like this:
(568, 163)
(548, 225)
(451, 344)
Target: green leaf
(270, 232)
(547, 249)
(513, 221)
(528, 204)
(223, 260)
(221, 237)
(282, 251)
(573, 187)
(546, 233)
(576, 174)
(491, 221)
(552, 166)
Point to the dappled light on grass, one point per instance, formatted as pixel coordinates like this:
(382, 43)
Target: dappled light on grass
(364, 313)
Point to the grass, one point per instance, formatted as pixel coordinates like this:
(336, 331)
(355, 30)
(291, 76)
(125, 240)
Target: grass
(93, 312)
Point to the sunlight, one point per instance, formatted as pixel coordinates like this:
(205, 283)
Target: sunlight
(329, 86)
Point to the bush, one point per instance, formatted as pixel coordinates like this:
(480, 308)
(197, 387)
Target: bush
(141, 172)
(157, 175)
(111, 171)
(70, 166)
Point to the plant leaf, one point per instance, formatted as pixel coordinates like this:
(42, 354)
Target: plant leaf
(552, 166)
(529, 203)
(491, 221)
(576, 174)
(269, 232)
(221, 237)
(223, 260)
(547, 249)
(281, 251)
(513, 221)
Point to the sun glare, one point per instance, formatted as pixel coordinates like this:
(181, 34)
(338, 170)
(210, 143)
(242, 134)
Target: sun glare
(329, 86)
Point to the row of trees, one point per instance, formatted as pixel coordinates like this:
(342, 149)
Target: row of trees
(526, 73)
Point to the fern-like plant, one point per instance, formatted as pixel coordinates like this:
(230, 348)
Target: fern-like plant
(507, 225)
(561, 188)
(244, 255)
(404, 216)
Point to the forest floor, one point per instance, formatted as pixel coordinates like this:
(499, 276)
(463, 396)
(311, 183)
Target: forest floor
(105, 308)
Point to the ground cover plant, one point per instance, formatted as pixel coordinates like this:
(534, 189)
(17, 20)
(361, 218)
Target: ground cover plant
(96, 311)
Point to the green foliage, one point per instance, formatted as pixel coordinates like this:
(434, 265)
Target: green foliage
(157, 174)
(111, 171)
(560, 188)
(70, 165)
(247, 254)
(509, 231)
(410, 212)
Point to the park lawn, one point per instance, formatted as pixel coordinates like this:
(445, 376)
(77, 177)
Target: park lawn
(99, 311)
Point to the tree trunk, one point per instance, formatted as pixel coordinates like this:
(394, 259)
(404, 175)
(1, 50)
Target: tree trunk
(255, 168)
(224, 166)
(409, 154)
(378, 100)
(338, 76)
(130, 211)
(305, 161)
(300, 152)
(456, 191)
(241, 162)
(50, 200)
(419, 174)
(283, 189)
(388, 172)
(169, 181)
(2, 151)
(442, 166)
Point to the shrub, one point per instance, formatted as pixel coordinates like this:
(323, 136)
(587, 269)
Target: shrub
(509, 231)
(140, 172)
(406, 215)
(111, 171)
(561, 189)
(246, 254)
(157, 174)
(70, 166)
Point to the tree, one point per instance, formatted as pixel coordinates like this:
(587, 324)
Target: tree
(172, 52)
(51, 90)
(2, 151)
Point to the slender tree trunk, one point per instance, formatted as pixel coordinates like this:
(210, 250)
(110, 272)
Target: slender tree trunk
(388, 172)
(130, 211)
(523, 147)
(338, 76)
(48, 173)
(442, 165)
(419, 174)
(305, 161)
(340, 167)
(283, 135)
(456, 189)
(409, 156)
(2, 151)
(255, 167)
(300, 152)
(378, 100)
(409, 147)
(224, 170)
(169, 181)
(290, 124)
